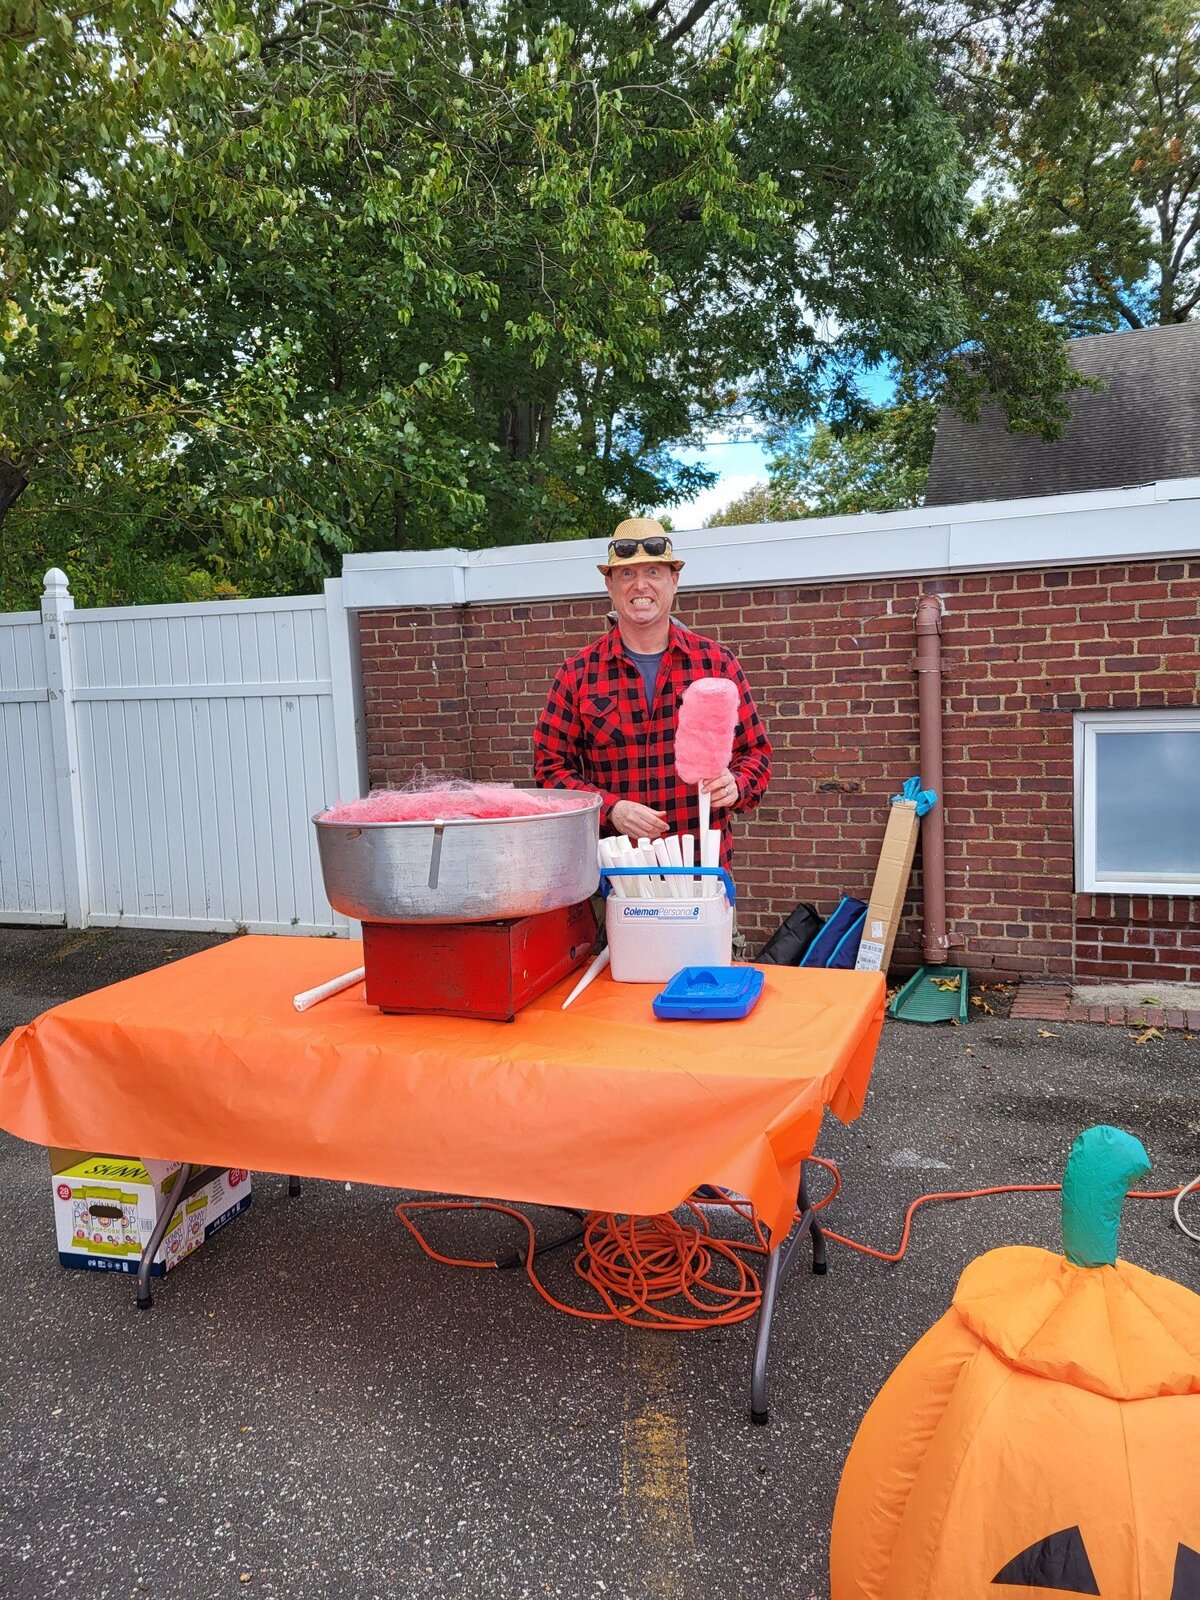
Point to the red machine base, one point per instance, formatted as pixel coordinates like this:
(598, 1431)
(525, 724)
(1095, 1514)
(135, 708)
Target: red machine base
(473, 969)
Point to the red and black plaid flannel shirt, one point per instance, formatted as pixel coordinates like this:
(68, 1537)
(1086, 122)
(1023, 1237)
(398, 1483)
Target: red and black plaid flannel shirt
(596, 733)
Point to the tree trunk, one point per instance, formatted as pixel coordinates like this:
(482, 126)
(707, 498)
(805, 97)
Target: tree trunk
(525, 426)
(516, 429)
(13, 483)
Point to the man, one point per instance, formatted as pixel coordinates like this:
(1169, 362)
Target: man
(609, 721)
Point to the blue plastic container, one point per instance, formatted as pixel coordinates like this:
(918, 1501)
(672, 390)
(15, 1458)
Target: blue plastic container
(709, 994)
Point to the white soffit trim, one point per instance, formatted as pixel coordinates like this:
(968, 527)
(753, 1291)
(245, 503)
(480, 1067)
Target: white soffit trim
(1150, 522)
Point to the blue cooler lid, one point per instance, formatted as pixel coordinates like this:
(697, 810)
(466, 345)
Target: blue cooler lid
(709, 994)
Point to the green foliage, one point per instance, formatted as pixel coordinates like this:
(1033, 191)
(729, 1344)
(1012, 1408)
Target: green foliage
(279, 281)
(872, 179)
(1013, 350)
(1082, 121)
(1098, 141)
(281, 284)
(879, 464)
(760, 503)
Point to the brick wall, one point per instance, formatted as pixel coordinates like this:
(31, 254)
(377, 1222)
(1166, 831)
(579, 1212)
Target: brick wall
(832, 669)
(1124, 938)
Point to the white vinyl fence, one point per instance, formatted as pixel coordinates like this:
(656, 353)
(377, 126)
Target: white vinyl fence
(159, 765)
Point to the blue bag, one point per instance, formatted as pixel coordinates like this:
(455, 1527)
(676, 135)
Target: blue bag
(837, 943)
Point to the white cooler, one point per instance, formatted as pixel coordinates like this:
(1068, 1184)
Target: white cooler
(650, 940)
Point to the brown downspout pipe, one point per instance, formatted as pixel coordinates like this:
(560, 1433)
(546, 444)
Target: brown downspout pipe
(929, 705)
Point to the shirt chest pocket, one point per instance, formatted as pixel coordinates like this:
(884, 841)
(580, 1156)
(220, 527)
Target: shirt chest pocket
(601, 721)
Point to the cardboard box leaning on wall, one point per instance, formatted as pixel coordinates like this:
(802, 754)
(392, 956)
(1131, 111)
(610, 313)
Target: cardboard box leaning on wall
(890, 887)
(105, 1208)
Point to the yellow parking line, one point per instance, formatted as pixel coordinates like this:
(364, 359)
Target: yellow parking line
(654, 1470)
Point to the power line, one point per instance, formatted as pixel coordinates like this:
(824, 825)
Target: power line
(722, 444)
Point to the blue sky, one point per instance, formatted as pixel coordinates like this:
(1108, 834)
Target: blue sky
(741, 463)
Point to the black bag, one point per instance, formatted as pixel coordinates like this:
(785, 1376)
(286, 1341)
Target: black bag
(792, 938)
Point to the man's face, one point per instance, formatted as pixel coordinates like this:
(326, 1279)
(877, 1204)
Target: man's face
(642, 593)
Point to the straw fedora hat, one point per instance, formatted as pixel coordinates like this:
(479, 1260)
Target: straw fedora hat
(628, 546)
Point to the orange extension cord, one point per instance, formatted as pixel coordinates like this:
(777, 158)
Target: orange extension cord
(634, 1264)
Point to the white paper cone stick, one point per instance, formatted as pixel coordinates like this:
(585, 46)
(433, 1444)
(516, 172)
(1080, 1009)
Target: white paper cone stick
(645, 858)
(312, 997)
(656, 888)
(705, 813)
(625, 888)
(668, 885)
(679, 886)
(608, 860)
(627, 856)
(646, 851)
(610, 857)
(712, 858)
(688, 846)
(598, 965)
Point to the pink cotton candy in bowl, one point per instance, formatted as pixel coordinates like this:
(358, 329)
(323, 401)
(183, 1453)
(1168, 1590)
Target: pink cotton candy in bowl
(445, 802)
(708, 718)
(451, 851)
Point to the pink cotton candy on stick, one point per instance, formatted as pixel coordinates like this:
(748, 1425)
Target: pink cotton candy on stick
(708, 717)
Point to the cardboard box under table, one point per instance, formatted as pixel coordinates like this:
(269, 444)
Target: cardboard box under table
(598, 1108)
(106, 1209)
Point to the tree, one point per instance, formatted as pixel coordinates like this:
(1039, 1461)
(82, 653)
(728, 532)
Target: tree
(86, 132)
(279, 285)
(287, 279)
(1083, 121)
(655, 222)
(759, 503)
(1083, 125)
(880, 464)
(1098, 139)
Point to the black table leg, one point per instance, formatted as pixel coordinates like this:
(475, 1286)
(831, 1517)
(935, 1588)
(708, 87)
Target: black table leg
(777, 1265)
(170, 1205)
(189, 1180)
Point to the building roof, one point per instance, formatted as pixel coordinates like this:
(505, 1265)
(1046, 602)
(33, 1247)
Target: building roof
(1143, 426)
(1153, 522)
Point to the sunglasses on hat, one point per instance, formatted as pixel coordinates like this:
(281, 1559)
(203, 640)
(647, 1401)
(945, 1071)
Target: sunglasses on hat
(655, 545)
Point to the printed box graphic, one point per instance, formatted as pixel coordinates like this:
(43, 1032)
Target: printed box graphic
(105, 1209)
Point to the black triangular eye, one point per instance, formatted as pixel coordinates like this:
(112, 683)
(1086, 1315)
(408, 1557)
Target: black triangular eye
(1187, 1575)
(1056, 1562)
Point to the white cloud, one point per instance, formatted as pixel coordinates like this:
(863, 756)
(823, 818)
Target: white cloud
(695, 513)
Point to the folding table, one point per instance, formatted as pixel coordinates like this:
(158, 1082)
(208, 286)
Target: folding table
(598, 1108)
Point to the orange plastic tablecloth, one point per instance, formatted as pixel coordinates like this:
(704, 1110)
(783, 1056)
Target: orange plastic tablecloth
(601, 1107)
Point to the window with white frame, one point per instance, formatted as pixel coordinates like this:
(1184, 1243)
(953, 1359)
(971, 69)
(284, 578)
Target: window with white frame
(1137, 802)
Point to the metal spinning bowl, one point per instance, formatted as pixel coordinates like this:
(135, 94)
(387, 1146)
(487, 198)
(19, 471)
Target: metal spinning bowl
(461, 870)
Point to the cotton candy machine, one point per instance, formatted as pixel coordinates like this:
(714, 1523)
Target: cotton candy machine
(466, 916)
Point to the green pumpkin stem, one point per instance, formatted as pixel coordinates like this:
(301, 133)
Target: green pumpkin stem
(1103, 1163)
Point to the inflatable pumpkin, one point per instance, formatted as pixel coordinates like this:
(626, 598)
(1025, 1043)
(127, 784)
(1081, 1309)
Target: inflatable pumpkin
(1043, 1438)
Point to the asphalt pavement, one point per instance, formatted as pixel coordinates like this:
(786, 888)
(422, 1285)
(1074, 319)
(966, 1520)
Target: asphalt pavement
(315, 1410)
